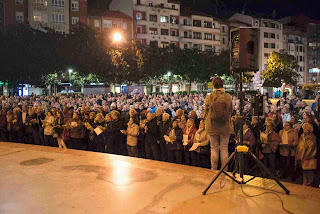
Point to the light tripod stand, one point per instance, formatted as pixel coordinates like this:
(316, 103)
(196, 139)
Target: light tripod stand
(242, 150)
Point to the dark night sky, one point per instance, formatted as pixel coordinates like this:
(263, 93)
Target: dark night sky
(283, 8)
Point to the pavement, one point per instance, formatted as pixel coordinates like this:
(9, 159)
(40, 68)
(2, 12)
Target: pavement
(38, 179)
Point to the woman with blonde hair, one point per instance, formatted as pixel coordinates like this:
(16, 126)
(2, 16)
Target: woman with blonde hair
(48, 124)
(132, 133)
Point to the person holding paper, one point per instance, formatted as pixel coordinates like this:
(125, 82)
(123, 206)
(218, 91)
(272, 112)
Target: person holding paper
(76, 132)
(288, 148)
(132, 134)
(174, 143)
(163, 128)
(99, 128)
(188, 135)
(203, 150)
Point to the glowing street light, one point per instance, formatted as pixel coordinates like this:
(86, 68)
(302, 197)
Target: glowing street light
(70, 72)
(117, 37)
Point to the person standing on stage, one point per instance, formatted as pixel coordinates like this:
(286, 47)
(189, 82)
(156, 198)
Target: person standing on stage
(218, 110)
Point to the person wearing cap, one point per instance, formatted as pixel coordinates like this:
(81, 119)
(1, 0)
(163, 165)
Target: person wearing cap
(270, 141)
(307, 153)
(288, 147)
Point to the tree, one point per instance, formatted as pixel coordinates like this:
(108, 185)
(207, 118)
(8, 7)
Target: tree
(282, 68)
(28, 55)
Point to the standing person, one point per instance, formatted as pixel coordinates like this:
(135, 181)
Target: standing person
(48, 124)
(190, 130)
(203, 151)
(141, 137)
(182, 122)
(117, 136)
(132, 136)
(174, 147)
(163, 128)
(194, 117)
(270, 141)
(288, 147)
(76, 133)
(99, 126)
(307, 153)
(3, 124)
(218, 110)
(152, 135)
(58, 130)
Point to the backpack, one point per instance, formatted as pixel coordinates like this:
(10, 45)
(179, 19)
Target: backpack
(219, 108)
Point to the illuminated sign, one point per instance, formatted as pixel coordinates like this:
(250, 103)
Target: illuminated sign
(314, 70)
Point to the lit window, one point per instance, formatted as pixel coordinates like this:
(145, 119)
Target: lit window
(173, 6)
(58, 3)
(164, 19)
(164, 44)
(153, 31)
(96, 23)
(107, 23)
(36, 16)
(208, 36)
(75, 6)
(138, 16)
(40, 2)
(58, 18)
(19, 17)
(74, 20)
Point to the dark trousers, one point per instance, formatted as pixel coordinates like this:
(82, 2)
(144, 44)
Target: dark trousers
(48, 140)
(3, 134)
(36, 136)
(288, 166)
(99, 145)
(163, 150)
(270, 161)
(189, 157)
(132, 151)
(175, 156)
(76, 143)
(202, 160)
(152, 150)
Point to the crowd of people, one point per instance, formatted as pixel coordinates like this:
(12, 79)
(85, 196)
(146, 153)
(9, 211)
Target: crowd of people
(171, 128)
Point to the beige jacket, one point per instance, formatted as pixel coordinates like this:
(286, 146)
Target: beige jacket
(132, 134)
(202, 138)
(211, 127)
(291, 147)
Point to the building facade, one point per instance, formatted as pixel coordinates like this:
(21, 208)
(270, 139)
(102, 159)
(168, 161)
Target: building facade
(111, 22)
(200, 32)
(15, 12)
(78, 11)
(155, 22)
(270, 39)
(310, 28)
(295, 44)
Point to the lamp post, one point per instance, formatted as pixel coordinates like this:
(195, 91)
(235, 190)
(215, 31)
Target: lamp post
(70, 72)
(169, 74)
(117, 38)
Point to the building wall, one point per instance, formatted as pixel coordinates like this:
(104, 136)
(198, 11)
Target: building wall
(12, 11)
(267, 29)
(313, 37)
(78, 11)
(295, 43)
(49, 15)
(115, 25)
(194, 26)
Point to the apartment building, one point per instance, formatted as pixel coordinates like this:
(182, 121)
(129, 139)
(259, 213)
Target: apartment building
(271, 34)
(295, 43)
(111, 22)
(200, 31)
(310, 28)
(15, 12)
(155, 22)
(78, 11)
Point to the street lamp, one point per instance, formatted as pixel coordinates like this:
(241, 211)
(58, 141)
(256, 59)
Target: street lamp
(70, 72)
(117, 37)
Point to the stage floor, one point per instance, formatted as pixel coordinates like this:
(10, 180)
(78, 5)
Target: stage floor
(37, 179)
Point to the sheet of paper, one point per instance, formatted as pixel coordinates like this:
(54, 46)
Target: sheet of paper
(166, 138)
(185, 139)
(98, 131)
(263, 137)
(194, 146)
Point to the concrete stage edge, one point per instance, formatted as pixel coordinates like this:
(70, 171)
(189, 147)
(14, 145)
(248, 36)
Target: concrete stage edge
(38, 179)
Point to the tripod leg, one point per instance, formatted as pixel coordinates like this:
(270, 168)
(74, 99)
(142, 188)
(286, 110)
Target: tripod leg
(267, 171)
(219, 173)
